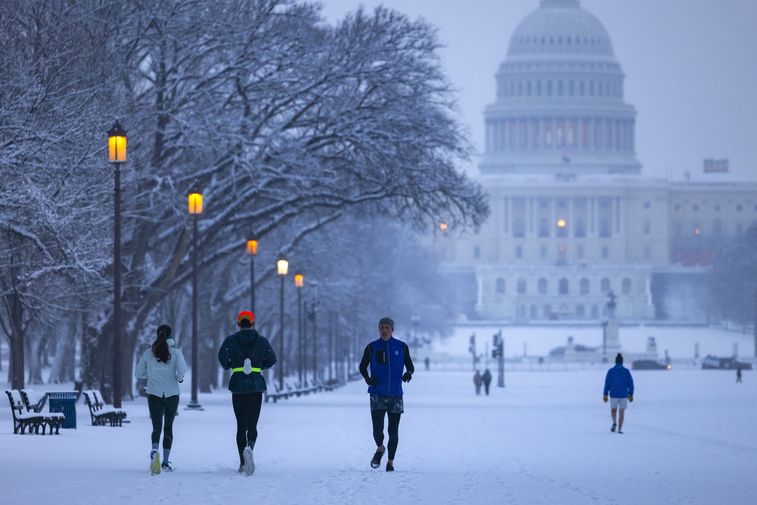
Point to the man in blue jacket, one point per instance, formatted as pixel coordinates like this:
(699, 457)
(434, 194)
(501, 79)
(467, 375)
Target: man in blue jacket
(387, 358)
(247, 353)
(619, 385)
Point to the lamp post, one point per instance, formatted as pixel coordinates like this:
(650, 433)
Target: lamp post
(299, 282)
(415, 319)
(312, 317)
(117, 156)
(252, 250)
(282, 268)
(194, 201)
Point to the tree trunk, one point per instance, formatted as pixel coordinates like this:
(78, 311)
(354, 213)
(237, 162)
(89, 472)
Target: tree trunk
(34, 351)
(16, 359)
(754, 324)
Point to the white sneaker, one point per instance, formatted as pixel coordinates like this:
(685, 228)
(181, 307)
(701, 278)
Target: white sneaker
(249, 461)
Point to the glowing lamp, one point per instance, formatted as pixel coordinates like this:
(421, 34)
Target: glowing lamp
(282, 266)
(117, 144)
(252, 247)
(562, 223)
(443, 227)
(195, 203)
(299, 280)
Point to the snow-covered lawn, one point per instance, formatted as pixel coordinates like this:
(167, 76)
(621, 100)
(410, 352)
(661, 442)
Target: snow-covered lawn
(690, 438)
(678, 340)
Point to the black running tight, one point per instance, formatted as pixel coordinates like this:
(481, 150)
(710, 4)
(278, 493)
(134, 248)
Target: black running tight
(247, 412)
(162, 408)
(377, 416)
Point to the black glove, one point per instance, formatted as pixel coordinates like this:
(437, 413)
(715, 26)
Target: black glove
(371, 381)
(406, 377)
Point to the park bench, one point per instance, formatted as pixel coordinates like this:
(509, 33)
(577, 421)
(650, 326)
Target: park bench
(23, 419)
(277, 394)
(52, 419)
(101, 413)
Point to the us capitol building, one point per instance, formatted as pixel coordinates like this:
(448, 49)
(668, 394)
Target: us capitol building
(572, 215)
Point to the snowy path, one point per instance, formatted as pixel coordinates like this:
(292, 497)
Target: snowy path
(690, 438)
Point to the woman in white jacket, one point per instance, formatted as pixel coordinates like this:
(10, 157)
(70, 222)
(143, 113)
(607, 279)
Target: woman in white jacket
(163, 366)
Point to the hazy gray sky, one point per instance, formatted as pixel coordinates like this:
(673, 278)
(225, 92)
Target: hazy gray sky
(690, 65)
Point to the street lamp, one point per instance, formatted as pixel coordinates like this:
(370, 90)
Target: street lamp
(282, 268)
(415, 319)
(311, 315)
(117, 156)
(194, 201)
(252, 250)
(299, 282)
(443, 227)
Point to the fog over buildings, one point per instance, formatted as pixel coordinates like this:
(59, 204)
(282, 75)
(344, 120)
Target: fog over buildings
(616, 151)
(687, 66)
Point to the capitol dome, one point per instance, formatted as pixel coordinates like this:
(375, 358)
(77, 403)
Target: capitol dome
(559, 105)
(561, 27)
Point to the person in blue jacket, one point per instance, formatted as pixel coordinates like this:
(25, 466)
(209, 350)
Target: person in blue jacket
(246, 353)
(619, 386)
(387, 357)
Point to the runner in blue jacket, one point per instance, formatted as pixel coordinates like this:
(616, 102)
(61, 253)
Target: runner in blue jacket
(619, 386)
(387, 358)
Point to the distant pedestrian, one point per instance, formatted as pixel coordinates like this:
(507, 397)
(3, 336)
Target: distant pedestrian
(427, 363)
(247, 353)
(164, 367)
(738, 374)
(487, 379)
(387, 357)
(477, 380)
(619, 385)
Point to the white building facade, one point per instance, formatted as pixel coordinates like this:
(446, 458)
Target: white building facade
(572, 215)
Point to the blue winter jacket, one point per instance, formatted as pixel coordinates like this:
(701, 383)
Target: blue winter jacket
(618, 382)
(387, 361)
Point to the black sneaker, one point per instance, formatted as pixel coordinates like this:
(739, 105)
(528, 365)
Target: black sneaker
(376, 461)
(166, 466)
(620, 432)
(241, 468)
(612, 428)
(389, 467)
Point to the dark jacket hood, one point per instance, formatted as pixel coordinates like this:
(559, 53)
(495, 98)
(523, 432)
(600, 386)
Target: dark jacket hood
(247, 336)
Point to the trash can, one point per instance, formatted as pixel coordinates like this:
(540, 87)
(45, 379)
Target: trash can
(65, 402)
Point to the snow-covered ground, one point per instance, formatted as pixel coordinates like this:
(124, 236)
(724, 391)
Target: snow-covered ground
(680, 341)
(690, 438)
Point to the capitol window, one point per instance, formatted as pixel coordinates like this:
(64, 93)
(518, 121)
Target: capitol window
(521, 286)
(501, 285)
(604, 285)
(626, 286)
(584, 286)
(563, 287)
(580, 311)
(542, 286)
